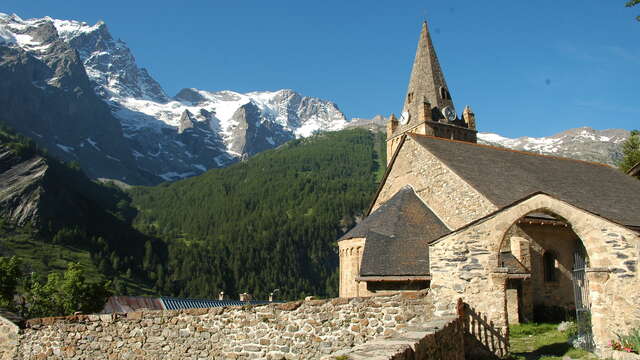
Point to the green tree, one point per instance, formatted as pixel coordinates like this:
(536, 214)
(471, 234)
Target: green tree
(632, 3)
(65, 294)
(10, 275)
(630, 150)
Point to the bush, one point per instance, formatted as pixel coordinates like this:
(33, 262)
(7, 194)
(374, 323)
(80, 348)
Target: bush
(67, 293)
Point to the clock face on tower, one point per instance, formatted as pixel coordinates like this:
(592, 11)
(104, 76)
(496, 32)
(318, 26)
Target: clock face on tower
(449, 113)
(404, 118)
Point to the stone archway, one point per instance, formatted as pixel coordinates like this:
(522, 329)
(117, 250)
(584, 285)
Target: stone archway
(612, 250)
(538, 254)
(466, 264)
(546, 281)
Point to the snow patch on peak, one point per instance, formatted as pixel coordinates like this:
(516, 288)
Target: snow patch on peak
(69, 29)
(582, 143)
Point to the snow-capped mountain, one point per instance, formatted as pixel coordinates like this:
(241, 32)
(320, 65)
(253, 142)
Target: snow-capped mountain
(168, 137)
(582, 143)
(77, 91)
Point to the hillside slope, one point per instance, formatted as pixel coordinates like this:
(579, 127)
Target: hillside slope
(266, 223)
(50, 213)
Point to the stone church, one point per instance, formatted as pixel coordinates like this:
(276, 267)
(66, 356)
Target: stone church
(509, 232)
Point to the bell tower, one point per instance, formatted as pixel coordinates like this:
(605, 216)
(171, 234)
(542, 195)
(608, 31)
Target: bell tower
(428, 108)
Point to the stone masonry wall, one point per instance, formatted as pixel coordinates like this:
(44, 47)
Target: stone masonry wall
(296, 330)
(440, 339)
(350, 251)
(8, 339)
(454, 201)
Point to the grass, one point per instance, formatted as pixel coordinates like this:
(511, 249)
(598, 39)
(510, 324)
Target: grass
(542, 341)
(42, 257)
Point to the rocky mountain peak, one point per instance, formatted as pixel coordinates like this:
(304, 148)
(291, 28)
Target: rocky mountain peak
(186, 121)
(583, 143)
(190, 96)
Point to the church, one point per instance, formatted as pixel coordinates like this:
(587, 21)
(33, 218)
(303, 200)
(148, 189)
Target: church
(516, 235)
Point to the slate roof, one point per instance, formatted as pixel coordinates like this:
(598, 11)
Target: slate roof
(505, 176)
(398, 235)
(514, 265)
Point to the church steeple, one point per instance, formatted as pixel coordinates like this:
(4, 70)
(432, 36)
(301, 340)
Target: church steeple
(428, 108)
(427, 83)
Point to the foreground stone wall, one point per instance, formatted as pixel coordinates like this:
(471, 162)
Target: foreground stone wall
(8, 339)
(297, 330)
(440, 339)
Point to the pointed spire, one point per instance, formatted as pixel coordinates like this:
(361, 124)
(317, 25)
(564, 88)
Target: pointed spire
(427, 83)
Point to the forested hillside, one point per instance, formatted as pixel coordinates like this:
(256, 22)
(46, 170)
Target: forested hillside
(269, 222)
(51, 214)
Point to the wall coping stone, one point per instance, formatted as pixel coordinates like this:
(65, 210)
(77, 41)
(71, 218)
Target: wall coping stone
(405, 345)
(619, 355)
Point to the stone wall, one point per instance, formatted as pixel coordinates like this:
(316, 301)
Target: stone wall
(454, 201)
(439, 339)
(561, 242)
(8, 339)
(296, 330)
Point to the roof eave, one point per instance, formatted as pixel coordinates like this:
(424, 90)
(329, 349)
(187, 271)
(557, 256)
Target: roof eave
(381, 278)
(386, 173)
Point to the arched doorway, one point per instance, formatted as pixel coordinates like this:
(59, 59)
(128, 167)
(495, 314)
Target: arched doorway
(546, 264)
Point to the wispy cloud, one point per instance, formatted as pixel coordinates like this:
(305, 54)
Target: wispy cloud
(598, 53)
(576, 52)
(608, 107)
(623, 53)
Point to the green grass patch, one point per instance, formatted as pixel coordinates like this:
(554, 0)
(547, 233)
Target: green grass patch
(43, 257)
(533, 341)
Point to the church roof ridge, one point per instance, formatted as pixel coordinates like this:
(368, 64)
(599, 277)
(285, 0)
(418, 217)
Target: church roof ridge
(504, 175)
(512, 150)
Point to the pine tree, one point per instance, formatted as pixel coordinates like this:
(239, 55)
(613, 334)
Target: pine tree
(630, 151)
(632, 3)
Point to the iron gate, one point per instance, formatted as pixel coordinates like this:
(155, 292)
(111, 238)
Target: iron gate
(581, 293)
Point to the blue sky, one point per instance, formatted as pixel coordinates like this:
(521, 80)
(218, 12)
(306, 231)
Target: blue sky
(526, 68)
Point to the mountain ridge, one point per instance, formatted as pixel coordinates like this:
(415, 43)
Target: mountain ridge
(141, 135)
(166, 137)
(583, 143)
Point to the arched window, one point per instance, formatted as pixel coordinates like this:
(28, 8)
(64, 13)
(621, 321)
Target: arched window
(549, 263)
(444, 93)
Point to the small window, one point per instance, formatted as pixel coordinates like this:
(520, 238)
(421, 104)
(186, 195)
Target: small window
(444, 93)
(409, 98)
(549, 261)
